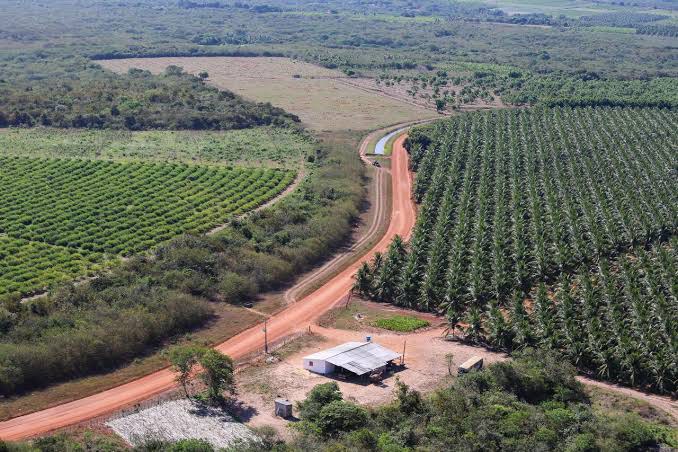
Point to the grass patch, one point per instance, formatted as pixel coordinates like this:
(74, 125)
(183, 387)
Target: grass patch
(401, 323)
(367, 316)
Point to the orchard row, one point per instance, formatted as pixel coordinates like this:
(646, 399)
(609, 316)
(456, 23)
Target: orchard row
(105, 209)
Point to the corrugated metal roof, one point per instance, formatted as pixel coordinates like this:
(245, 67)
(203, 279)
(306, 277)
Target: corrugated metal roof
(335, 350)
(380, 352)
(358, 357)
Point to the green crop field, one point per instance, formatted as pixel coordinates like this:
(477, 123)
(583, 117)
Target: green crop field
(259, 146)
(514, 203)
(401, 323)
(26, 266)
(73, 212)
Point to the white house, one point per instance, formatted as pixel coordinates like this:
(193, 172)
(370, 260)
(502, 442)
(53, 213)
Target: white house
(359, 358)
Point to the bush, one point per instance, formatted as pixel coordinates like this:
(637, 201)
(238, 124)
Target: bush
(339, 417)
(320, 396)
(236, 288)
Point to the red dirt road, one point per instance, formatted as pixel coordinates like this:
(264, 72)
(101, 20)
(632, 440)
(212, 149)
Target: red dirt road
(296, 317)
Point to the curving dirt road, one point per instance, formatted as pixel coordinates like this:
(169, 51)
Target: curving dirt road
(379, 218)
(296, 317)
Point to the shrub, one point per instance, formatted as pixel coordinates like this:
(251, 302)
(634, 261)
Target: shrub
(317, 398)
(339, 417)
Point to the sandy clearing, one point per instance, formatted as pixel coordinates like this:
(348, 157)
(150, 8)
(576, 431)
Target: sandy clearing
(398, 91)
(425, 370)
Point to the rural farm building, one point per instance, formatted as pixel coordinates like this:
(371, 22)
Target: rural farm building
(359, 358)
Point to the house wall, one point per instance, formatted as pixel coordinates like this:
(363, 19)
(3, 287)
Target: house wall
(318, 366)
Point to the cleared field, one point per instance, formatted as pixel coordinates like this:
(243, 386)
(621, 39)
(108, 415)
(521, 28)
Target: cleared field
(262, 146)
(315, 94)
(74, 208)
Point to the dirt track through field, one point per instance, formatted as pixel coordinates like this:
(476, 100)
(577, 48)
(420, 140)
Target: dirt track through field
(296, 317)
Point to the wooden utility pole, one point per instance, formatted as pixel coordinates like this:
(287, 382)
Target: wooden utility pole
(348, 299)
(402, 357)
(266, 336)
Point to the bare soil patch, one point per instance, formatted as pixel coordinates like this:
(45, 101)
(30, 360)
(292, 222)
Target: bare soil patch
(360, 315)
(425, 370)
(316, 94)
(611, 403)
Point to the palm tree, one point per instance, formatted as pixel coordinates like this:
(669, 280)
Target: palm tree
(387, 281)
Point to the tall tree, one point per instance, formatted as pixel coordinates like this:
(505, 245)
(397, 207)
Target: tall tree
(217, 373)
(520, 322)
(545, 319)
(497, 329)
(184, 359)
(388, 280)
(363, 280)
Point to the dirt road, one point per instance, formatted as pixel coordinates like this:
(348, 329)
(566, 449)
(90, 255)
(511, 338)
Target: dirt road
(294, 318)
(379, 220)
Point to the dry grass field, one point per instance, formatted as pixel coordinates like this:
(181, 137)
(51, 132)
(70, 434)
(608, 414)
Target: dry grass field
(316, 94)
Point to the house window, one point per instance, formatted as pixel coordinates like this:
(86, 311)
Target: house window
(310, 364)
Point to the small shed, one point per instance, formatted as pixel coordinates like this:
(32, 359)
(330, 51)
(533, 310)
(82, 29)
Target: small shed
(283, 408)
(359, 358)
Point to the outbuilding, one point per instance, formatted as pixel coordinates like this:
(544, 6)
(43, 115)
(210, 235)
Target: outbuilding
(359, 358)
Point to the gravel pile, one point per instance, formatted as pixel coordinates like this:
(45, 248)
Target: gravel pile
(181, 419)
